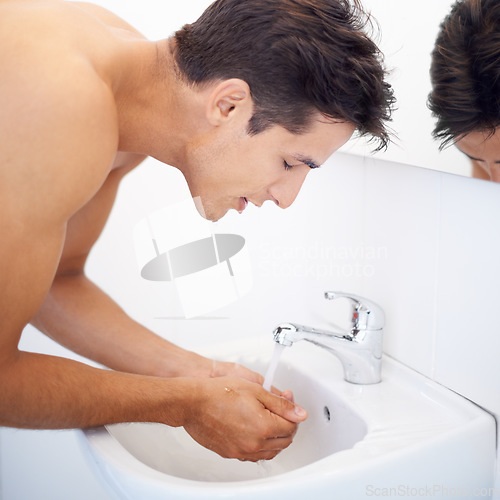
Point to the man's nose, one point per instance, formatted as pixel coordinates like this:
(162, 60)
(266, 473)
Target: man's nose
(290, 190)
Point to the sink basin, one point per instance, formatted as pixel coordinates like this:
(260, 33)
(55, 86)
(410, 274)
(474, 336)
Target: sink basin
(406, 433)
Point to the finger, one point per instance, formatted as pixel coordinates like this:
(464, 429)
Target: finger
(261, 455)
(285, 394)
(274, 390)
(244, 372)
(283, 407)
(281, 428)
(276, 446)
(241, 371)
(288, 395)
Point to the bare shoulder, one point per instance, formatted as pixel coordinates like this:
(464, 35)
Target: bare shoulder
(58, 136)
(106, 16)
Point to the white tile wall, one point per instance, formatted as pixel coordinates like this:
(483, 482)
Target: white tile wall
(468, 298)
(401, 217)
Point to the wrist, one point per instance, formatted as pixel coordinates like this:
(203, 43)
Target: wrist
(184, 363)
(184, 401)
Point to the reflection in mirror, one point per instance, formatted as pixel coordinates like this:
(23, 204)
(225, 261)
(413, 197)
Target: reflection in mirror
(407, 33)
(465, 75)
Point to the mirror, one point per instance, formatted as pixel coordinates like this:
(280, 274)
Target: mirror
(407, 32)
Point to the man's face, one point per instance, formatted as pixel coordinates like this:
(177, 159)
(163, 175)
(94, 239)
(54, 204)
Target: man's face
(484, 151)
(233, 169)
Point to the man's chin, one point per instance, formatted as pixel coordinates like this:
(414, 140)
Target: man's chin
(206, 212)
(214, 217)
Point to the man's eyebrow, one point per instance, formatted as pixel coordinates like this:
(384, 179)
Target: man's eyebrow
(306, 161)
(472, 157)
(469, 156)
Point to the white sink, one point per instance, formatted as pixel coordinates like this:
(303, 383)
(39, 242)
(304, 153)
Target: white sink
(406, 433)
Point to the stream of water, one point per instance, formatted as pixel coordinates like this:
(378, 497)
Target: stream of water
(268, 379)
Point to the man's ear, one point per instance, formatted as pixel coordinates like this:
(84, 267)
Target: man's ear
(229, 100)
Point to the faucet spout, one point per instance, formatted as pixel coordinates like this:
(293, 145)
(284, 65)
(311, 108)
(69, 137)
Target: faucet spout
(359, 350)
(288, 333)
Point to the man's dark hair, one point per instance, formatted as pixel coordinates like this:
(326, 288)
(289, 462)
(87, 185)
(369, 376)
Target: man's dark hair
(465, 71)
(297, 56)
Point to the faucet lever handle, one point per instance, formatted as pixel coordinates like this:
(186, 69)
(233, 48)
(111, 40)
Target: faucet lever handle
(366, 315)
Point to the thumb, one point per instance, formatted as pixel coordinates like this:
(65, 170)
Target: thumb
(283, 407)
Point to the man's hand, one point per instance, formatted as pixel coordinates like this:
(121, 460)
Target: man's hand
(239, 419)
(225, 369)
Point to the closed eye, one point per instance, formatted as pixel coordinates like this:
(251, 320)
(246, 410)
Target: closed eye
(287, 165)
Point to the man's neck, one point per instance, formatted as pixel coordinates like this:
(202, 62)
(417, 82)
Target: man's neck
(158, 113)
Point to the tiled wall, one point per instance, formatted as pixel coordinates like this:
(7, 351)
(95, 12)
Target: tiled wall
(440, 284)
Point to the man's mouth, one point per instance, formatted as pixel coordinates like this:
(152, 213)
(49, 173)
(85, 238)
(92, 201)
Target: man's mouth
(243, 204)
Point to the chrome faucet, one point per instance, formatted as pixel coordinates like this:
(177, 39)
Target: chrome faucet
(359, 349)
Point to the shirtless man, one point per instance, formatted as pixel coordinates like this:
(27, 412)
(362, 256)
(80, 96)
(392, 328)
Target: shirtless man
(465, 76)
(84, 99)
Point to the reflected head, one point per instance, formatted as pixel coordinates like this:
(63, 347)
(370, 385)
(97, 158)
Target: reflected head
(465, 71)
